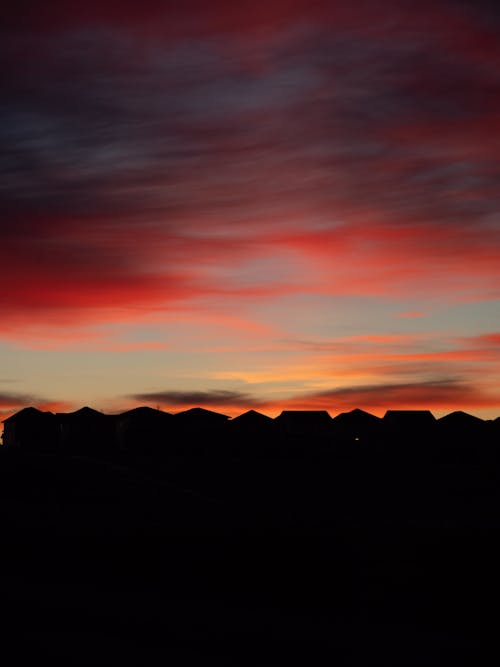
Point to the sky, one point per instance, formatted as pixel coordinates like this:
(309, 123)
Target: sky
(269, 205)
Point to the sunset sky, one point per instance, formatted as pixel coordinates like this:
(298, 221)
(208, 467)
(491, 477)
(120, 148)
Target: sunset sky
(282, 204)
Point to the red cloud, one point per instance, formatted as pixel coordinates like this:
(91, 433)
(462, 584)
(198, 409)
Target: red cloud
(194, 18)
(489, 340)
(364, 258)
(143, 173)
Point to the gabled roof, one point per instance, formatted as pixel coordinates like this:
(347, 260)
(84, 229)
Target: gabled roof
(356, 417)
(305, 416)
(26, 413)
(460, 418)
(252, 418)
(85, 413)
(304, 421)
(145, 412)
(200, 414)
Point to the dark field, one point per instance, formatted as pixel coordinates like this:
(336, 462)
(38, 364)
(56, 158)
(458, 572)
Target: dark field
(359, 556)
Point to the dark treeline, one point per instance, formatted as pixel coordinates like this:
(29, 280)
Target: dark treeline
(195, 539)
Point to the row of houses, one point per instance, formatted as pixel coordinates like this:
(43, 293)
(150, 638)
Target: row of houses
(148, 430)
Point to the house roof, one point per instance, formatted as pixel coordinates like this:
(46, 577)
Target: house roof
(146, 412)
(304, 417)
(200, 414)
(408, 422)
(407, 417)
(26, 413)
(252, 417)
(356, 417)
(460, 418)
(83, 413)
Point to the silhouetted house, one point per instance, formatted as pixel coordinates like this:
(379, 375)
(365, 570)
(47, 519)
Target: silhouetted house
(143, 430)
(304, 423)
(408, 423)
(200, 430)
(460, 422)
(356, 425)
(199, 419)
(251, 433)
(31, 430)
(460, 431)
(494, 436)
(251, 422)
(86, 431)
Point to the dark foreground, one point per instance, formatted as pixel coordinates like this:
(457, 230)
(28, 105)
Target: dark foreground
(315, 561)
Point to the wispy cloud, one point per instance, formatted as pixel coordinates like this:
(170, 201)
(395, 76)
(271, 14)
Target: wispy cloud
(440, 393)
(11, 403)
(13, 400)
(140, 175)
(216, 397)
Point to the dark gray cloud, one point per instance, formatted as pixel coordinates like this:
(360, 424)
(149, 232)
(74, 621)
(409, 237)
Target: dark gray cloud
(199, 398)
(15, 400)
(112, 126)
(437, 392)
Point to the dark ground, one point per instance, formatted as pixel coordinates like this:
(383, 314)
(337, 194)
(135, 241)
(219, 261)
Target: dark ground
(203, 561)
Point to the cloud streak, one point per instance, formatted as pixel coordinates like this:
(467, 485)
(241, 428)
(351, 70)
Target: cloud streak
(13, 400)
(442, 394)
(216, 397)
(10, 403)
(139, 174)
